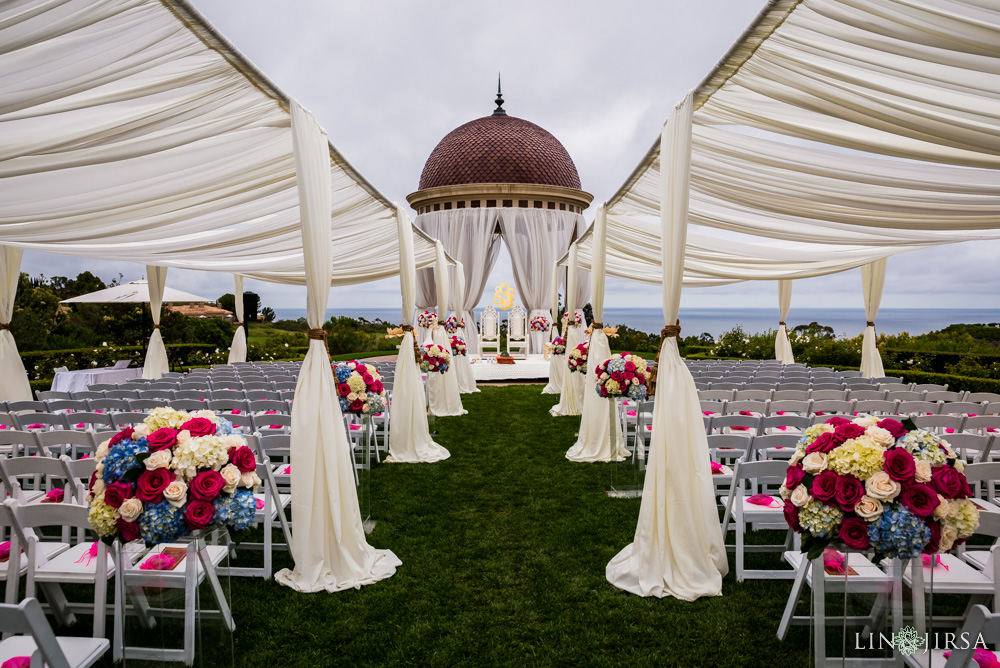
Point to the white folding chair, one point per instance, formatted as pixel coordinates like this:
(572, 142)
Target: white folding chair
(980, 623)
(35, 639)
(748, 479)
(271, 506)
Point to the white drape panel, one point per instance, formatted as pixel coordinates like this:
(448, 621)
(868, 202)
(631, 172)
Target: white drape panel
(442, 388)
(14, 385)
(678, 548)
(782, 346)
(594, 441)
(238, 351)
(156, 363)
(872, 282)
(409, 436)
(536, 238)
(571, 389)
(463, 367)
(557, 363)
(330, 548)
(469, 236)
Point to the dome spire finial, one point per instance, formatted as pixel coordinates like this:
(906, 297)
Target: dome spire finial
(499, 111)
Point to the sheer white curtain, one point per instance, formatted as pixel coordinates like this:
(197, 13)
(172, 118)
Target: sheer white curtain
(409, 437)
(536, 238)
(329, 545)
(594, 441)
(238, 351)
(463, 368)
(782, 346)
(872, 283)
(14, 385)
(678, 548)
(572, 382)
(156, 363)
(445, 399)
(469, 236)
(557, 363)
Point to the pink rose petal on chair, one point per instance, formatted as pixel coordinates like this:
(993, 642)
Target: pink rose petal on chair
(158, 562)
(764, 500)
(260, 502)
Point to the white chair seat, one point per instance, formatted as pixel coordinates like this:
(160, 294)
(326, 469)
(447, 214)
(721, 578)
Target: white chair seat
(958, 578)
(80, 652)
(869, 579)
(284, 499)
(932, 659)
(985, 506)
(48, 549)
(977, 558)
(64, 568)
(138, 575)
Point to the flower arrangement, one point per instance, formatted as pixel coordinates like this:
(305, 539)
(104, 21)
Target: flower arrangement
(565, 319)
(434, 359)
(360, 388)
(453, 324)
(559, 345)
(457, 345)
(882, 485)
(173, 473)
(623, 374)
(539, 323)
(427, 320)
(578, 358)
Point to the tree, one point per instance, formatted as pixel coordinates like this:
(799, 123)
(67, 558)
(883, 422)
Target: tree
(228, 302)
(267, 314)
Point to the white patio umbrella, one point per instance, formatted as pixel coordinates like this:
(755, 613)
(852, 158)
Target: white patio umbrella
(134, 292)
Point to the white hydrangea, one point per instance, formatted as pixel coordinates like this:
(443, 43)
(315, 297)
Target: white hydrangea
(165, 416)
(204, 452)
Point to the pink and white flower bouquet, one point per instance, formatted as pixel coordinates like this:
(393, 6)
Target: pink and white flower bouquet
(435, 359)
(539, 323)
(359, 386)
(427, 319)
(453, 324)
(577, 358)
(559, 345)
(623, 374)
(173, 473)
(458, 345)
(565, 319)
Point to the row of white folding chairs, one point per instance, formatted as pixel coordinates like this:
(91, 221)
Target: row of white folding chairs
(50, 443)
(872, 406)
(199, 401)
(844, 394)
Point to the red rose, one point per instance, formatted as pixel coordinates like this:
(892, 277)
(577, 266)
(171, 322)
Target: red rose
(947, 481)
(116, 493)
(792, 516)
(793, 477)
(379, 387)
(824, 486)
(361, 368)
(920, 499)
(161, 439)
(617, 376)
(836, 421)
(934, 544)
(966, 492)
(630, 366)
(150, 486)
(824, 443)
(93, 479)
(846, 431)
(129, 530)
(343, 389)
(199, 427)
(357, 405)
(899, 465)
(368, 378)
(206, 485)
(198, 514)
(894, 427)
(854, 533)
(849, 491)
(124, 435)
(629, 375)
(243, 459)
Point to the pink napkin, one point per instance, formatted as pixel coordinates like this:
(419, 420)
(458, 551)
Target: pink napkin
(833, 561)
(36, 426)
(82, 425)
(357, 427)
(703, 413)
(288, 469)
(630, 414)
(764, 500)
(3, 426)
(237, 411)
(54, 496)
(260, 503)
(158, 562)
(5, 550)
(17, 662)
(717, 468)
(983, 658)
(934, 560)
(88, 556)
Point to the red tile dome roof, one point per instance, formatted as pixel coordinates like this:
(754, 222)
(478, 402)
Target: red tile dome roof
(499, 149)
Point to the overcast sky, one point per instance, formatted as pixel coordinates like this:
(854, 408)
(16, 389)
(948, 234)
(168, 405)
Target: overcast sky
(389, 78)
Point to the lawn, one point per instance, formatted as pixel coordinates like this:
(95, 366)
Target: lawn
(504, 548)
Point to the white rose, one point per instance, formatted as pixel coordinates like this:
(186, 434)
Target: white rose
(923, 470)
(102, 451)
(353, 397)
(130, 509)
(949, 535)
(250, 480)
(98, 490)
(176, 493)
(139, 431)
(880, 436)
(814, 462)
(796, 457)
(183, 436)
(231, 475)
(783, 492)
(800, 496)
(868, 508)
(159, 459)
(959, 465)
(824, 429)
(880, 486)
(863, 421)
(944, 508)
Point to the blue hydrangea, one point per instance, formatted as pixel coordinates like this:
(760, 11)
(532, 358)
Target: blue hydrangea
(161, 523)
(342, 372)
(616, 365)
(223, 427)
(637, 392)
(121, 458)
(898, 533)
(237, 510)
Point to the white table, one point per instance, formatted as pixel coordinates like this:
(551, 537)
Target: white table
(78, 381)
(535, 367)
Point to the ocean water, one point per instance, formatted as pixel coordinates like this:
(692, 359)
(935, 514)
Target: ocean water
(716, 321)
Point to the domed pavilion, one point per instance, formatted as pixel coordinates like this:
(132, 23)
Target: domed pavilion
(501, 177)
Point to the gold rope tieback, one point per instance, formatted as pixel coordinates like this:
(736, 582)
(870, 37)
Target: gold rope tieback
(781, 323)
(597, 325)
(666, 332)
(316, 334)
(871, 323)
(670, 330)
(156, 327)
(4, 326)
(237, 323)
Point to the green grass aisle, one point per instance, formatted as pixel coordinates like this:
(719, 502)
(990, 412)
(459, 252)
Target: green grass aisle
(504, 547)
